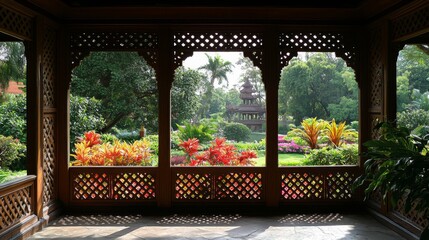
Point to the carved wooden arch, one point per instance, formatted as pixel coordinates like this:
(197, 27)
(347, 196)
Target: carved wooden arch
(344, 45)
(144, 43)
(186, 42)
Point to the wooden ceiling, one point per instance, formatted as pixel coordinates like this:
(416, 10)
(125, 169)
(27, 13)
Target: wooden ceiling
(221, 11)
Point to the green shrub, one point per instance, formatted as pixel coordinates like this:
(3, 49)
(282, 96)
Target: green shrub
(85, 115)
(13, 118)
(345, 155)
(237, 132)
(12, 153)
(411, 119)
(203, 131)
(108, 138)
(153, 143)
(244, 146)
(128, 136)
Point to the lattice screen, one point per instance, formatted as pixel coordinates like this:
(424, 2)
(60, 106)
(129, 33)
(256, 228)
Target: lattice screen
(49, 68)
(49, 116)
(91, 186)
(376, 74)
(342, 44)
(113, 184)
(223, 186)
(49, 163)
(134, 186)
(187, 42)
(15, 206)
(16, 23)
(297, 186)
(411, 23)
(82, 43)
(317, 184)
(415, 217)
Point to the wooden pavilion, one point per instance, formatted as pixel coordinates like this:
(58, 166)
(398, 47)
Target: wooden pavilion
(58, 34)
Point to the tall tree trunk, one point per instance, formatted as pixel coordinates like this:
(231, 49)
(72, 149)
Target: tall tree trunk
(114, 121)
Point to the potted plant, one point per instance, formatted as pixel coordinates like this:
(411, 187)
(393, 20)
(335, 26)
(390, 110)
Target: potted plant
(398, 166)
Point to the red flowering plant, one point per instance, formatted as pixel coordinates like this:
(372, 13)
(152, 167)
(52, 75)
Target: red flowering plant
(219, 153)
(90, 151)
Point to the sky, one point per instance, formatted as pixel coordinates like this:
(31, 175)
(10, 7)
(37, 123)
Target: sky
(199, 59)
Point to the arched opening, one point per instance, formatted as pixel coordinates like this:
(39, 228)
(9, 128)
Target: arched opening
(218, 111)
(318, 111)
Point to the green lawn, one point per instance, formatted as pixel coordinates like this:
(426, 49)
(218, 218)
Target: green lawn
(285, 159)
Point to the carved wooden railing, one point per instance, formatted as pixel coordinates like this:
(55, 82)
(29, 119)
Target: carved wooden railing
(318, 184)
(112, 185)
(16, 206)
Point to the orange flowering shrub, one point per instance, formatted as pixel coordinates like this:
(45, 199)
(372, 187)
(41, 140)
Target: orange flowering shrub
(90, 151)
(219, 153)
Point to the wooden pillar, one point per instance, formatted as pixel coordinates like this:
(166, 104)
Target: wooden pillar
(164, 77)
(63, 115)
(271, 78)
(35, 114)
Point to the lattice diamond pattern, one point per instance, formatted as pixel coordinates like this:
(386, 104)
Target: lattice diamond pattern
(376, 70)
(239, 186)
(339, 185)
(14, 207)
(217, 41)
(87, 186)
(193, 186)
(84, 42)
(418, 218)
(293, 42)
(410, 23)
(134, 186)
(15, 22)
(297, 186)
(48, 158)
(49, 60)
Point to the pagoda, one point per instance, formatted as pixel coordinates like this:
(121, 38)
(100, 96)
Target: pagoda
(250, 112)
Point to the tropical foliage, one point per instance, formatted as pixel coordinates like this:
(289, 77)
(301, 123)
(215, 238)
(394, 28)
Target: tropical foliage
(337, 133)
(219, 153)
(397, 165)
(310, 131)
(90, 151)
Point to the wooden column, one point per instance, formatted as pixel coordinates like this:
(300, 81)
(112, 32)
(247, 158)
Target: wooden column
(164, 77)
(271, 78)
(35, 115)
(63, 115)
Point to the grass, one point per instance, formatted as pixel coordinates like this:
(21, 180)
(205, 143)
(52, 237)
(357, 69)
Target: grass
(285, 159)
(7, 175)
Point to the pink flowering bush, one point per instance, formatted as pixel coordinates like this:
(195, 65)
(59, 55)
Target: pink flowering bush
(290, 147)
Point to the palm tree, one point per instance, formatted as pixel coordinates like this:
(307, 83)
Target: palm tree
(216, 69)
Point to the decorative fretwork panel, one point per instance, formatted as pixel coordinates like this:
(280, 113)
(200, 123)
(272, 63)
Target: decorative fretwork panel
(376, 74)
(413, 22)
(239, 186)
(82, 43)
(297, 186)
(48, 158)
(187, 42)
(90, 186)
(342, 44)
(417, 218)
(193, 186)
(317, 183)
(338, 185)
(49, 69)
(134, 186)
(15, 206)
(16, 23)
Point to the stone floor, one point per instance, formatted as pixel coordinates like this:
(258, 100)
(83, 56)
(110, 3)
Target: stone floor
(345, 226)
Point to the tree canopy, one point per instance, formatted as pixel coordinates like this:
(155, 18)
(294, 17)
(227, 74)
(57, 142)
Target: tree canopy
(318, 86)
(12, 63)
